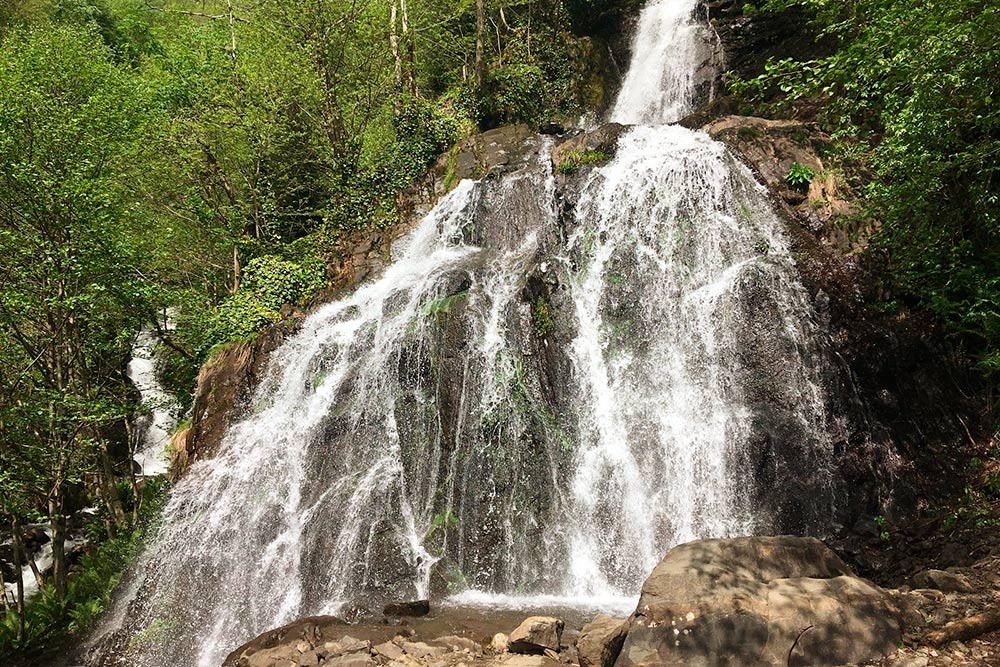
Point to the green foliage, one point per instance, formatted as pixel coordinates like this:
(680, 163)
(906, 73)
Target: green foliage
(545, 322)
(89, 591)
(580, 157)
(910, 92)
(275, 281)
(423, 131)
(516, 95)
(439, 308)
(799, 175)
(883, 525)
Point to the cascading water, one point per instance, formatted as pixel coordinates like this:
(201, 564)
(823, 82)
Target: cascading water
(536, 397)
(154, 428)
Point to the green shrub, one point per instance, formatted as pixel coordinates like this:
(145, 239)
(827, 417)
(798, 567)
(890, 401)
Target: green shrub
(799, 175)
(517, 94)
(275, 281)
(573, 160)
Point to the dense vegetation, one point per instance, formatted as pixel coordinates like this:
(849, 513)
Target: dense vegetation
(208, 158)
(910, 93)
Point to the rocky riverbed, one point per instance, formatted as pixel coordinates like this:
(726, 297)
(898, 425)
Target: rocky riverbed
(744, 602)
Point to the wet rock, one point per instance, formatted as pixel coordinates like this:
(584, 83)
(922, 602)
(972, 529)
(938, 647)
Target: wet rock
(601, 641)
(758, 602)
(536, 634)
(949, 582)
(603, 140)
(411, 608)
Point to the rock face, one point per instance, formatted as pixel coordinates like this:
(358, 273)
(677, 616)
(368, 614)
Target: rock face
(536, 634)
(758, 602)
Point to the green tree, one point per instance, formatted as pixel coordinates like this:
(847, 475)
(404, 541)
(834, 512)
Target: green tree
(911, 92)
(71, 290)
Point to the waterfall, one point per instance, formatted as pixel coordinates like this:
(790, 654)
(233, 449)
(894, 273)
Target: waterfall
(534, 398)
(153, 428)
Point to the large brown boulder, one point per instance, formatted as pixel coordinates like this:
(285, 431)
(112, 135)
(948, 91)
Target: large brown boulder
(286, 642)
(758, 602)
(601, 641)
(536, 634)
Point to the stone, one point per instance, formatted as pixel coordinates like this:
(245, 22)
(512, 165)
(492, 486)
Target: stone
(911, 661)
(948, 582)
(758, 602)
(344, 646)
(500, 643)
(310, 631)
(456, 643)
(421, 650)
(535, 634)
(349, 660)
(309, 659)
(522, 660)
(410, 608)
(388, 650)
(601, 641)
(280, 655)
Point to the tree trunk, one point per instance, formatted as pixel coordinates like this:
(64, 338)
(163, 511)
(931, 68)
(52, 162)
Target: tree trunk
(965, 629)
(58, 524)
(411, 77)
(3, 590)
(133, 447)
(237, 274)
(19, 570)
(109, 491)
(397, 60)
(480, 30)
(34, 570)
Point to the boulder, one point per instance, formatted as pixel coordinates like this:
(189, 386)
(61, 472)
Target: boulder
(408, 608)
(312, 631)
(758, 602)
(601, 641)
(948, 582)
(535, 634)
(349, 660)
(515, 660)
(388, 650)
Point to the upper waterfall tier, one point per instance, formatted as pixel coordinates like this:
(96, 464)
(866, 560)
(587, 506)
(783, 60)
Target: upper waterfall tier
(667, 50)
